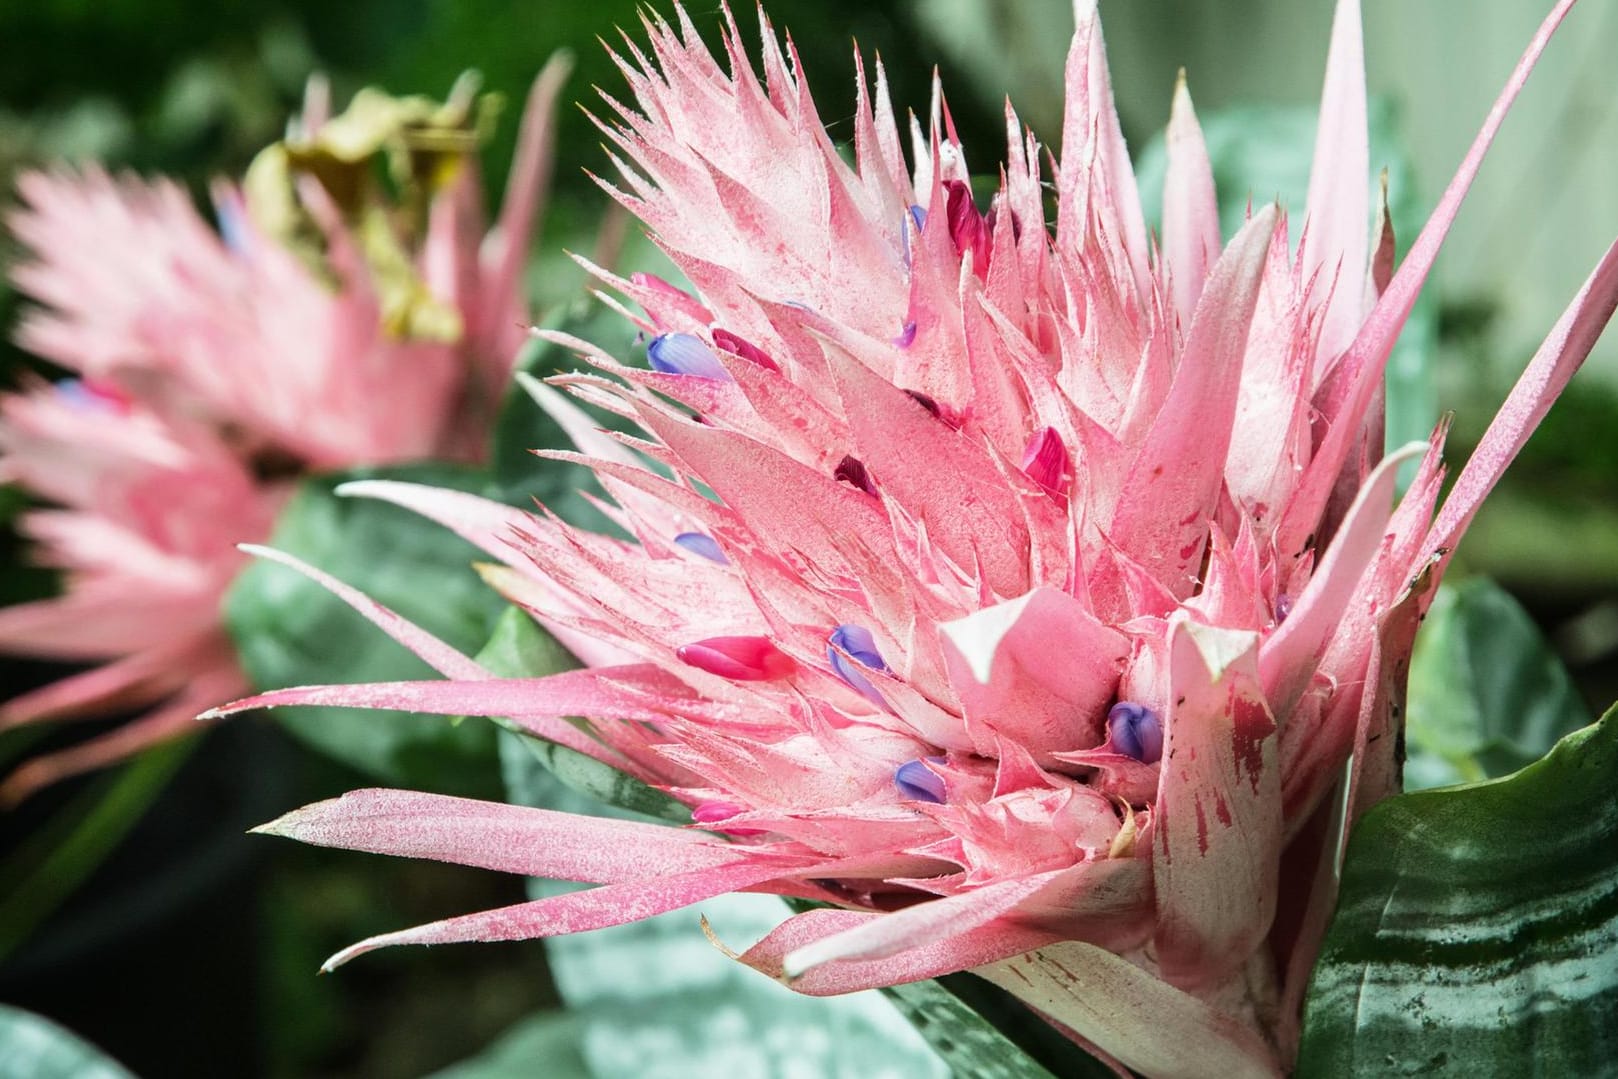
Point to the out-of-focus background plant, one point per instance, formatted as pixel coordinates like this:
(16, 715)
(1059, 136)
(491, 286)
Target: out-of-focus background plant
(135, 911)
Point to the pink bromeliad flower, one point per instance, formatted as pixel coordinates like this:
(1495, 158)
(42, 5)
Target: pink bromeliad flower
(216, 367)
(1051, 608)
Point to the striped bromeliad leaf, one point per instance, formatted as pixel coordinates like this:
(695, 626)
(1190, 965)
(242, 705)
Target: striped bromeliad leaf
(1477, 930)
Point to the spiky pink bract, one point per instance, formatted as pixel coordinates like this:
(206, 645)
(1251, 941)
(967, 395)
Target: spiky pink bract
(215, 368)
(995, 484)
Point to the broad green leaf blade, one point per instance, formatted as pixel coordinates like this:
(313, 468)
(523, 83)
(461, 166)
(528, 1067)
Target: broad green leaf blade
(33, 1047)
(289, 631)
(520, 648)
(969, 1043)
(606, 785)
(548, 1041)
(1477, 929)
(1488, 695)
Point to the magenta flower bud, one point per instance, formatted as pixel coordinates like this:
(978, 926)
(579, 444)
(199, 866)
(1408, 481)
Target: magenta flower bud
(853, 472)
(1047, 463)
(964, 221)
(918, 783)
(715, 814)
(1135, 731)
(745, 349)
(966, 226)
(685, 354)
(742, 659)
(699, 543)
(907, 335)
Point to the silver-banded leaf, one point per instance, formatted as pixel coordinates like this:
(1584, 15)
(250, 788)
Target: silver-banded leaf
(964, 1039)
(1476, 932)
(548, 1040)
(1488, 695)
(519, 648)
(33, 1047)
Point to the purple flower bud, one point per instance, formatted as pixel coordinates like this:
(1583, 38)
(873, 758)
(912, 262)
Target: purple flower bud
(231, 213)
(745, 349)
(1283, 607)
(860, 647)
(1135, 731)
(1047, 463)
(702, 544)
(852, 471)
(918, 783)
(919, 217)
(93, 395)
(907, 335)
(684, 354)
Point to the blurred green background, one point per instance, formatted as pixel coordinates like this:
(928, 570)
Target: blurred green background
(182, 960)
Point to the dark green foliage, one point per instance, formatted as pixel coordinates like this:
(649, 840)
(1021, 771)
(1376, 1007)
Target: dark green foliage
(1477, 928)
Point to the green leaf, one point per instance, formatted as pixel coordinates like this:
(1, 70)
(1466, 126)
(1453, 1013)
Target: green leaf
(551, 1037)
(607, 785)
(33, 1047)
(1477, 927)
(289, 631)
(1487, 693)
(519, 648)
(969, 1043)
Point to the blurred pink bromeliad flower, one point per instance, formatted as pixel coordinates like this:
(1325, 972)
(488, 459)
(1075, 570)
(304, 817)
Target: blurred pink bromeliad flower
(1052, 581)
(322, 327)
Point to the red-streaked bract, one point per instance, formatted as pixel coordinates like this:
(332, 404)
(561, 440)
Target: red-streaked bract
(214, 368)
(1052, 579)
